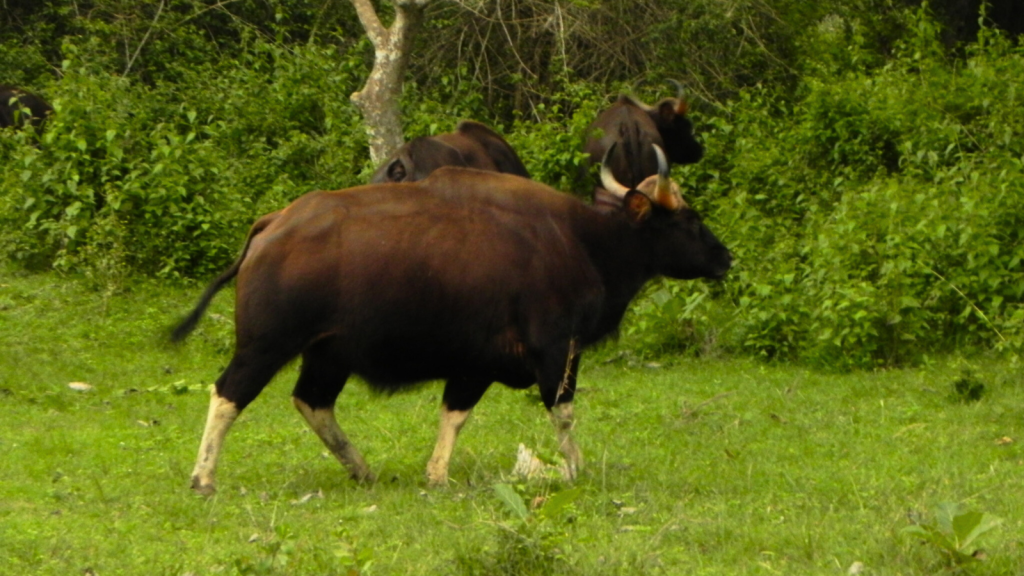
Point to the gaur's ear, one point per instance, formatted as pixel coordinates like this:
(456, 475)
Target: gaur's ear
(396, 171)
(667, 110)
(637, 207)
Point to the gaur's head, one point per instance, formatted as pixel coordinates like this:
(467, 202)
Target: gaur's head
(670, 115)
(681, 245)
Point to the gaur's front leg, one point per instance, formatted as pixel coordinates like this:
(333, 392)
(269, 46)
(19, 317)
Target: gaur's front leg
(557, 381)
(320, 382)
(322, 421)
(460, 396)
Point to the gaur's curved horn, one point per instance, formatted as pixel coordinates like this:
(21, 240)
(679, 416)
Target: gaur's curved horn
(681, 106)
(679, 87)
(608, 180)
(663, 190)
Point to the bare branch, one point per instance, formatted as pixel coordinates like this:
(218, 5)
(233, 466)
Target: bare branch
(371, 23)
(378, 100)
(144, 39)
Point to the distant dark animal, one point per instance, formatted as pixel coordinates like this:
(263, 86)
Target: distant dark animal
(471, 145)
(634, 128)
(468, 276)
(18, 108)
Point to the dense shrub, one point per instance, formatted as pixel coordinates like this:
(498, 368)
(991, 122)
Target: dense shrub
(874, 221)
(165, 179)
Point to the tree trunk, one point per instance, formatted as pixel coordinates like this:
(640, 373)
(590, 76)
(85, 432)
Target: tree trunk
(379, 98)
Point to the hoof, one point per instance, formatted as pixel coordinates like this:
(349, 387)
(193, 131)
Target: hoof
(205, 489)
(440, 482)
(569, 472)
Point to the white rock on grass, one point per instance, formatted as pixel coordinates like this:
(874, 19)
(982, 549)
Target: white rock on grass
(529, 466)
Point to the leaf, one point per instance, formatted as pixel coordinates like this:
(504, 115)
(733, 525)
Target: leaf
(929, 533)
(968, 527)
(661, 297)
(512, 501)
(955, 530)
(559, 501)
(944, 514)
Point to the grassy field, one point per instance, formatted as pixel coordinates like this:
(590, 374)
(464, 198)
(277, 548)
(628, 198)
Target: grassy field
(693, 467)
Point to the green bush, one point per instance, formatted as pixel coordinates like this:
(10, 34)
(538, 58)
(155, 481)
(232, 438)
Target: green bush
(551, 143)
(164, 180)
(874, 221)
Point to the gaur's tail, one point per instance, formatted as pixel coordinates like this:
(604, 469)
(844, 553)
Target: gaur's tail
(188, 324)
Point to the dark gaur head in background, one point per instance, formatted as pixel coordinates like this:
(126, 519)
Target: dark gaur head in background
(676, 130)
(634, 127)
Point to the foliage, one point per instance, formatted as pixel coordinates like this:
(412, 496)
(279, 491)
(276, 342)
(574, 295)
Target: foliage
(870, 226)
(954, 531)
(550, 142)
(535, 542)
(516, 50)
(159, 40)
(157, 180)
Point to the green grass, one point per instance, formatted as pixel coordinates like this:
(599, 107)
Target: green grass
(694, 467)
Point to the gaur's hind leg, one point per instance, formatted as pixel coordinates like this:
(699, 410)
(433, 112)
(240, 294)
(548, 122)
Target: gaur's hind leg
(460, 396)
(241, 382)
(320, 381)
(219, 418)
(557, 381)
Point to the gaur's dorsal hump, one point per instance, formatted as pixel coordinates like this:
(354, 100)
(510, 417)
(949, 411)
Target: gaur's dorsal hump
(629, 100)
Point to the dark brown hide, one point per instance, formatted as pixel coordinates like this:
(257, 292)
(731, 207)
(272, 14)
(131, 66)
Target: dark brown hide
(18, 108)
(471, 145)
(468, 276)
(634, 127)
